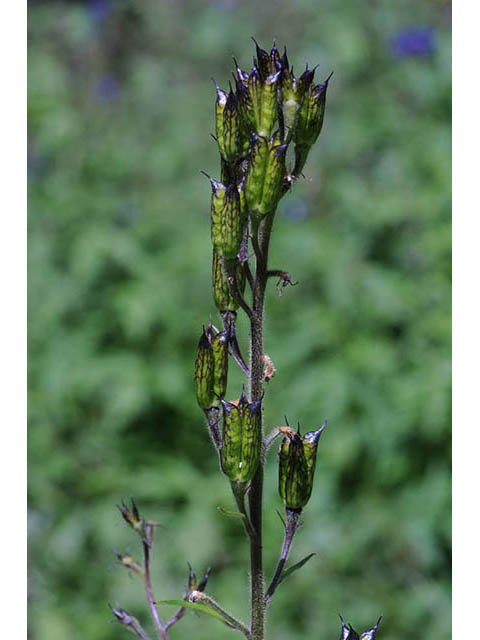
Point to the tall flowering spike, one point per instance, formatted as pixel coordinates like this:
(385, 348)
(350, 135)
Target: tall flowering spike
(220, 364)
(266, 173)
(293, 477)
(242, 439)
(204, 371)
(228, 221)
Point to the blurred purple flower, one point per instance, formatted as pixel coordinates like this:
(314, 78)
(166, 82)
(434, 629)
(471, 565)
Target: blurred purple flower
(99, 10)
(106, 88)
(419, 41)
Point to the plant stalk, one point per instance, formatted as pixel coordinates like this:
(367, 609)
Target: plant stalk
(261, 239)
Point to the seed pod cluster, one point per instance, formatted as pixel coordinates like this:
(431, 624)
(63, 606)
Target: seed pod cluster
(255, 124)
(297, 459)
(242, 439)
(211, 367)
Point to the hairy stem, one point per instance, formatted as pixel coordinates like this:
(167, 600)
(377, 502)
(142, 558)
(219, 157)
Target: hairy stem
(260, 239)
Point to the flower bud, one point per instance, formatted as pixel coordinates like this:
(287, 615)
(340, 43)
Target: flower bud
(242, 439)
(204, 371)
(220, 364)
(221, 289)
(266, 173)
(293, 479)
(228, 220)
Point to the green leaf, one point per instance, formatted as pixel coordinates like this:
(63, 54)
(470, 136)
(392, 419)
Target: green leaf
(295, 567)
(195, 606)
(233, 514)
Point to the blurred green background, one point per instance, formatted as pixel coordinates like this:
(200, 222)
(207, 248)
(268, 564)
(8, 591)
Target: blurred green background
(120, 111)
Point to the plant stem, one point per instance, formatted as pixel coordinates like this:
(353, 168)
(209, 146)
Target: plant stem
(161, 631)
(290, 529)
(261, 239)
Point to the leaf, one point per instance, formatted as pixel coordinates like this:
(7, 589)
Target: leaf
(295, 567)
(233, 514)
(195, 606)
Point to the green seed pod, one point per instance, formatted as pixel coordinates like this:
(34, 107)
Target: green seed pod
(204, 371)
(293, 482)
(266, 173)
(262, 62)
(293, 94)
(230, 132)
(255, 99)
(220, 104)
(311, 114)
(228, 222)
(242, 439)
(221, 291)
(310, 445)
(309, 122)
(268, 111)
(220, 365)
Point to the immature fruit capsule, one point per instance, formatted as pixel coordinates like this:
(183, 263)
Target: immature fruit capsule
(264, 182)
(293, 94)
(211, 367)
(297, 459)
(310, 446)
(242, 439)
(204, 375)
(292, 472)
(229, 128)
(228, 219)
(309, 122)
(220, 365)
(221, 289)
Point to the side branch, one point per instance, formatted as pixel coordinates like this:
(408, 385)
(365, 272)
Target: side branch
(147, 543)
(291, 527)
(129, 621)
